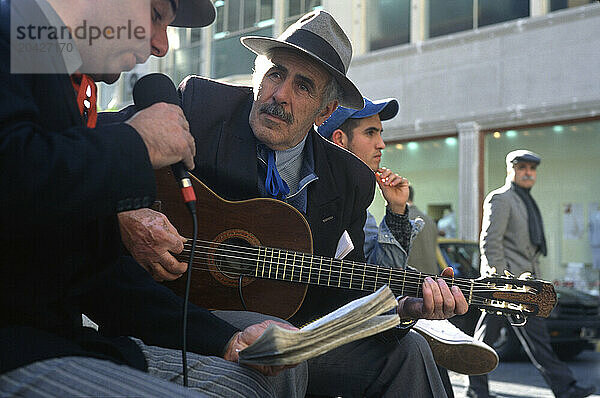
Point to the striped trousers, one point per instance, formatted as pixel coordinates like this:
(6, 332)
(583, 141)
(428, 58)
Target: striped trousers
(207, 376)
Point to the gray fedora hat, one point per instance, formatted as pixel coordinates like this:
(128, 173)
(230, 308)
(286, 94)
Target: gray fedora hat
(318, 35)
(194, 14)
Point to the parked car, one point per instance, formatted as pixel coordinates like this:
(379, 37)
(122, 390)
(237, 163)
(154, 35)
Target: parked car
(574, 324)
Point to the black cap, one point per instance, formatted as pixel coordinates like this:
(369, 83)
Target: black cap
(194, 14)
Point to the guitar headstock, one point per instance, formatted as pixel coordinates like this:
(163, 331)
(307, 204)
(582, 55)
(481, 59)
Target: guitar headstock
(521, 297)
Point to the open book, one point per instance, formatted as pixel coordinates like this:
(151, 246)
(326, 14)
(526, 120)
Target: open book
(356, 320)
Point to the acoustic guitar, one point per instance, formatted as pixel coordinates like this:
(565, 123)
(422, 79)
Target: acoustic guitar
(256, 255)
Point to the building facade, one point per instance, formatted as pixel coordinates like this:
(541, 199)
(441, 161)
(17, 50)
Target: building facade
(475, 79)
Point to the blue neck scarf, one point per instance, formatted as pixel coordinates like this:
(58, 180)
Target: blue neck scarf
(274, 184)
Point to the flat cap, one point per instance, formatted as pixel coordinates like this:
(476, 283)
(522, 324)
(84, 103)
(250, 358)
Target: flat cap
(522, 155)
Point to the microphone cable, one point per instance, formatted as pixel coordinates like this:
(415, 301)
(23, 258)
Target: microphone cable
(149, 90)
(192, 208)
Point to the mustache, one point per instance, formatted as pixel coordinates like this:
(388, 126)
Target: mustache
(275, 109)
(527, 178)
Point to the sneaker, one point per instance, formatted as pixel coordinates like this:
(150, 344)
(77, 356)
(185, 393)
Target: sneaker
(455, 350)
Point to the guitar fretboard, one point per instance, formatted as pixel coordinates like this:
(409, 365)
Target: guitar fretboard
(292, 266)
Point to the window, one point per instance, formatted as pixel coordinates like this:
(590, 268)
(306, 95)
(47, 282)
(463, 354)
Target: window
(241, 15)
(230, 57)
(237, 18)
(450, 16)
(296, 8)
(182, 62)
(233, 14)
(560, 4)
(388, 23)
(494, 11)
(266, 9)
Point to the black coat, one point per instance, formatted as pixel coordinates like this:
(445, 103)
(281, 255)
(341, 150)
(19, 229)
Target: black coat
(61, 186)
(226, 161)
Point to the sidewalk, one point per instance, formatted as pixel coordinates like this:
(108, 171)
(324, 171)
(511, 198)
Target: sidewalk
(521, 379)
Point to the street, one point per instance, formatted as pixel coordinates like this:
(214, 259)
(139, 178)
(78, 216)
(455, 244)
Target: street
(521, 379)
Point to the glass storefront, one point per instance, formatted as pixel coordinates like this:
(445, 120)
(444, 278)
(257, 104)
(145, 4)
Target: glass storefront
(431, 166)
(568, 186)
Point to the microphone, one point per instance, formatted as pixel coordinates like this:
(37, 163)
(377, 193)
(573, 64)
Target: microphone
(149, 90)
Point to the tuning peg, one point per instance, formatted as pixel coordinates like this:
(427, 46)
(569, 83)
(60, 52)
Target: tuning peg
(525, 276)
(508, 273)
(517, 319)
(492, 271)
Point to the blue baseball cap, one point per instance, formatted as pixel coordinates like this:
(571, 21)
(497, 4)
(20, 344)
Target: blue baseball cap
(386, 108)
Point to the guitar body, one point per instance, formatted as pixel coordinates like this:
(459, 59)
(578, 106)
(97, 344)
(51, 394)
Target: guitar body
(254, 222)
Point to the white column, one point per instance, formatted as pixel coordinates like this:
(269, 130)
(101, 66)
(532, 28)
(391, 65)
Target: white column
(419, 27)
(539, 7)
(351, 15)
(207, 40)
(468, 180)
(279, 12)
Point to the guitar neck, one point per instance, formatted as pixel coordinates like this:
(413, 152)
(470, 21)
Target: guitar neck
(292, 266)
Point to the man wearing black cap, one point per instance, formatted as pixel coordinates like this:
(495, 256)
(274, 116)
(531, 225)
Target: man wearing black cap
(512, 239)
(63, 181)
(261, 142)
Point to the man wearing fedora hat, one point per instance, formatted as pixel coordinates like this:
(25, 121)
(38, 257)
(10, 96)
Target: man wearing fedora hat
(260, 141)
(512, 239)
(64, 182)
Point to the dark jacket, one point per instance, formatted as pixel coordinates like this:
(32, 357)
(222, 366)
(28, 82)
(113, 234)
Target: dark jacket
(226, 161)
(61, 187)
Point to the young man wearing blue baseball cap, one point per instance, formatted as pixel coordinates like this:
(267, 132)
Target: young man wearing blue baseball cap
(360, 132)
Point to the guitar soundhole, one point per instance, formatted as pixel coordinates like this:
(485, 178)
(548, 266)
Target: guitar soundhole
(233, 254)
(234, 258)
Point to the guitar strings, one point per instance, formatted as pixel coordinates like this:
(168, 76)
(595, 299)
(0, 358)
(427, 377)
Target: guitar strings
(368, 270)
(394, 284)
(475, 299)
(403, 280)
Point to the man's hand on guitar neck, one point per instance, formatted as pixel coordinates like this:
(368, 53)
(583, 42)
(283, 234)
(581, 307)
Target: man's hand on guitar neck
(439, 301)
(151, 238)
(246, 337)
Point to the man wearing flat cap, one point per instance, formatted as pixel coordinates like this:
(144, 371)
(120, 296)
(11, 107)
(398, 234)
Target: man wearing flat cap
(512, 239)
(64, 182)
(261, 141)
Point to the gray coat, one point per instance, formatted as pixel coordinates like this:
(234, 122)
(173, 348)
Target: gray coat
(504, 240)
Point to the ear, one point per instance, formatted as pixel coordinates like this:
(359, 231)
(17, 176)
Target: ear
(325, 112)
(340, 138)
